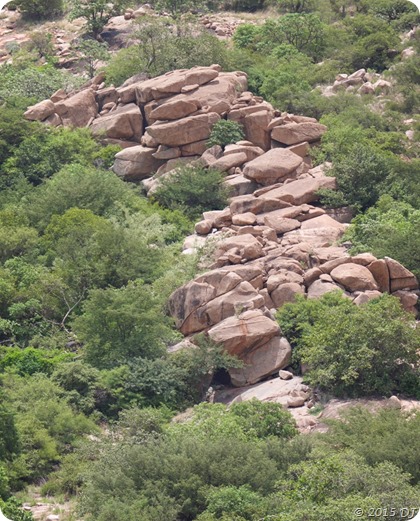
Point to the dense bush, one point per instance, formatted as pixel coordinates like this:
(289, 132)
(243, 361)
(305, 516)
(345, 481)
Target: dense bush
(354, 350)
(391, 229)
(224, 133)
(97, 13)
(39, 9)
(163, 49)
(193, 190)
(34, 83)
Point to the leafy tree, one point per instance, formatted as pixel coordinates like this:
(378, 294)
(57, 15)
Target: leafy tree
(33, 83)
(249, 420)
(193, 190)
(9, 441)
(225, 133)
(357, 350)
(41, 155)
(237, 503)
(303, 31)
(177, 7)
(39, 9)
(120, 324)
(87, 188)
(30, 361)
(391, 10)
(391, 229)
(82, 385)
(296, 6)
(97, 13)
(162, 50)
(385, 435)
(361, 176)
(92, 51)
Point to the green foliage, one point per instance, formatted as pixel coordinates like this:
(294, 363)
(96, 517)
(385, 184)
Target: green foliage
(391, 229)
(39, 9)
(225, 133)
(120, 324)
(361, 176)
(235, 502)
(77, 186)
(82, 385)
(30, 360)
(163, 49)
(44, 153)
(176, 381)
(9, 441)
(12, 509)
(45, 423)
(33, 83)
(92, 51)
(177, 7)
(387, 435)
(249, 420)
(96, 13)
(296, 6)
(355, 350)
(193, 190)
(303, 31)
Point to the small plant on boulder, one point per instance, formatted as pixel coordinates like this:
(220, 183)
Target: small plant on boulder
(225, 133)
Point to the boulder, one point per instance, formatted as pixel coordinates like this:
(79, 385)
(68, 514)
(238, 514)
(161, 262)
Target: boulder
(401, 277)
(225, 163)
(175, 109)
(293, 133)
(272, 166)
(286, 293)
(257, 205)
(184, 131)
(354, 277)
(300, 191)
(136, 163)
(244, 219)
(125, 123)
(319, 288)
(319, 232)
(262, 362)
(281, 225)
(255, 126)
(247, 244)
(41, 111)
(251, 152)
(244, 333)
(78, 110)
(380, 272)
(408, 300)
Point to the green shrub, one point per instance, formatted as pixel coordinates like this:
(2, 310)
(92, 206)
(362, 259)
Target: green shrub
(361, 176)
(34, 83)
(120, 324)
(225, 133)
(193, 190)
(385, 435)
(39, 9)
(97, 13)
(44, 153)
(355, 350)
(390, 228)
(163, 50)
(30, 361)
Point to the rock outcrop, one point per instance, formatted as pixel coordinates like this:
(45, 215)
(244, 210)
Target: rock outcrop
(274, 242)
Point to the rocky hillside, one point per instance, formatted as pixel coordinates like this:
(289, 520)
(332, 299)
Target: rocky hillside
(274, 241)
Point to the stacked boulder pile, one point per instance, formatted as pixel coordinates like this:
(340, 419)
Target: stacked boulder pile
(273, 242)
(361, 82)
